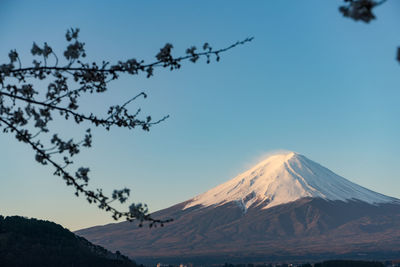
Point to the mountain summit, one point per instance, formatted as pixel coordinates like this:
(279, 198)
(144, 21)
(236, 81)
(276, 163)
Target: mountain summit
(283, 178)
(286, 207)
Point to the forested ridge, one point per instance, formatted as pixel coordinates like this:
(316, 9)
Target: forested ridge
(32, 242)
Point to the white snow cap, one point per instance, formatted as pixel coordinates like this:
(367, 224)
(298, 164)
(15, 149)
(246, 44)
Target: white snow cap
(284, 178)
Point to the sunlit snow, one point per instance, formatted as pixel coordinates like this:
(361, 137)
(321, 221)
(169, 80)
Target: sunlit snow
(284, 178)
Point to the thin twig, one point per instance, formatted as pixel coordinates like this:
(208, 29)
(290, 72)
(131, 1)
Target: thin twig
(79, 187)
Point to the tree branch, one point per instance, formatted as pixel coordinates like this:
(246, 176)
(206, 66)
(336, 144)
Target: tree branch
(158, 63)
(21, 112)
(91, 196)
(103, 122)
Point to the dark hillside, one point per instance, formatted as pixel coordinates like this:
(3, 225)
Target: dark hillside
(32, 242)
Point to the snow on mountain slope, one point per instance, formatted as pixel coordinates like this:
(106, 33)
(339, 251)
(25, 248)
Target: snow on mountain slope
(284, 178)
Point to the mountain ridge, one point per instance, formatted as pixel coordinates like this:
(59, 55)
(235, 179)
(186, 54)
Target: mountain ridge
(221, 224)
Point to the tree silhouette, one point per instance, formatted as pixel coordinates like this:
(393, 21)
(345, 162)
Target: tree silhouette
(27, 112)
(362, 10)
(32, 242)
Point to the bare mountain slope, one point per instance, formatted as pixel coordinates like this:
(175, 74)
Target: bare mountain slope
(285, 207)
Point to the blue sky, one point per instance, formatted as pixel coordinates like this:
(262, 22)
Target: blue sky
(311, 81)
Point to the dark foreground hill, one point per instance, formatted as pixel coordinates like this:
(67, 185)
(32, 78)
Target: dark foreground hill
(32, 242)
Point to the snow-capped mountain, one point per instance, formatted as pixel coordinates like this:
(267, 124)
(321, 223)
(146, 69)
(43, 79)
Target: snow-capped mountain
(286, 207)
(283, 178)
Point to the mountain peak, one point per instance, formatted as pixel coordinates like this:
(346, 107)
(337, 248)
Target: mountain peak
(275, 160)
(241, 218)
(282, 178)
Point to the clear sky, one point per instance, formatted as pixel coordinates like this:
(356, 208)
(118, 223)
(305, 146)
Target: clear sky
(311, 81)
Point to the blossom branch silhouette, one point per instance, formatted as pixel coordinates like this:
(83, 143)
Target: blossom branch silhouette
(27, 112)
